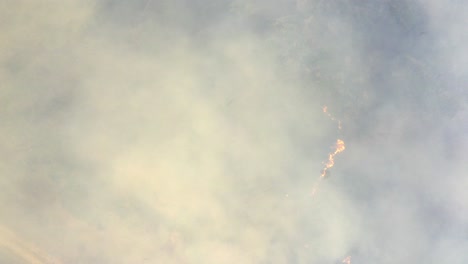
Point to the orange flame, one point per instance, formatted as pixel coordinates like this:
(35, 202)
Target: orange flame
(339, 147)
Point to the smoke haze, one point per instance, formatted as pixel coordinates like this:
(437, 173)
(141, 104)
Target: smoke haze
(192, 131)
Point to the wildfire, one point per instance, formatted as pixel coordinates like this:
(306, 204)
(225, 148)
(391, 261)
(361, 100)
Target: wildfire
(325, 110)
(339, 147)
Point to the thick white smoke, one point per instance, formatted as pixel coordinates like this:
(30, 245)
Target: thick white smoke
(192, 131)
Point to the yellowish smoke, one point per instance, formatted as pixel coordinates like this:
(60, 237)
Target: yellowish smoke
(23, 250)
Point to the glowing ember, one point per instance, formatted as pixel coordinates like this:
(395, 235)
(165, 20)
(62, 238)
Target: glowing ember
(325, 110)
(339, 147)
(347, 260)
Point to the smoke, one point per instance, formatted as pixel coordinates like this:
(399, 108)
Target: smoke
(193, 132)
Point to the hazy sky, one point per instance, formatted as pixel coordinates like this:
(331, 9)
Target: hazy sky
(192, 131)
